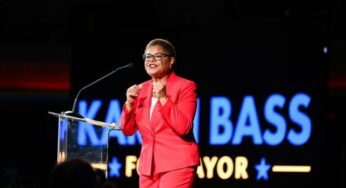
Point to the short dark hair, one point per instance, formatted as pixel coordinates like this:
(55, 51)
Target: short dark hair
(165, 44)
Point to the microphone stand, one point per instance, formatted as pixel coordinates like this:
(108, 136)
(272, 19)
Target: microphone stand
(73, 111)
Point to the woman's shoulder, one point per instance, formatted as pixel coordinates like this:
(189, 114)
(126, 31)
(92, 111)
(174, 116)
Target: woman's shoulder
(183, 81)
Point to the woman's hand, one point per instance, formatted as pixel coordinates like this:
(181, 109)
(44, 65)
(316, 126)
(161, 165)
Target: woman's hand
(131, 94)
(159, 90)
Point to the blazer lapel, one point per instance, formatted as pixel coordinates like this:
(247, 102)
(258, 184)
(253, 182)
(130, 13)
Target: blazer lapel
(145, 100)
(156, 120)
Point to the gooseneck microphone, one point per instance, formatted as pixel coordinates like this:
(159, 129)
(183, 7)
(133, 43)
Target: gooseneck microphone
(73, 112)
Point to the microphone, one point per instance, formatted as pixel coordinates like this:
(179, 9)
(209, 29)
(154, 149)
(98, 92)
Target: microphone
(73, 112)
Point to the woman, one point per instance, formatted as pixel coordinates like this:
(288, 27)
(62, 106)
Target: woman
(163, 109)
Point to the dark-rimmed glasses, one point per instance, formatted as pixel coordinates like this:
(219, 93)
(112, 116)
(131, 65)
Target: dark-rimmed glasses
(157, 57)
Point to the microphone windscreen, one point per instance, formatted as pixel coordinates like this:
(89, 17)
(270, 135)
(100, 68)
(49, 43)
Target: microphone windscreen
(130, 65)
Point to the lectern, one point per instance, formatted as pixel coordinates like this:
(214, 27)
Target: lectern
(69, 145)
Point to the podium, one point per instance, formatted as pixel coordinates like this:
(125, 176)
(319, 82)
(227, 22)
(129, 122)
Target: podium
(69, 145)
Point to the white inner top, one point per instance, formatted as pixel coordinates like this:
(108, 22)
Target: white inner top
(153, 102)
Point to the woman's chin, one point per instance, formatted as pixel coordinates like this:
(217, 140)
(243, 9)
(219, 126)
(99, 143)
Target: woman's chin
(152, 73)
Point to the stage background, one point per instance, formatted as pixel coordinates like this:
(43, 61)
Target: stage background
(237, 63)
(238, 52)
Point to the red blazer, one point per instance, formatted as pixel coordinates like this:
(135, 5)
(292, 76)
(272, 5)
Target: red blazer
(167, 140)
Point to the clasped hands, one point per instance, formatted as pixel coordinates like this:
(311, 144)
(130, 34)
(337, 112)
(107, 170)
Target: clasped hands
(159, 91)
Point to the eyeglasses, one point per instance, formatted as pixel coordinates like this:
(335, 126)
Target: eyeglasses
(157, 57)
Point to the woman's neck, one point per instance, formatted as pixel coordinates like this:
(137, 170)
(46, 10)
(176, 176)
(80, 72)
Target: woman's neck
(157, 79)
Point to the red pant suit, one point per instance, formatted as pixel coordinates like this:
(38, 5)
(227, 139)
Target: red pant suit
(167, 140)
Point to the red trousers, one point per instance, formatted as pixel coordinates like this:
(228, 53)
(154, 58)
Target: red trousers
(180, 178)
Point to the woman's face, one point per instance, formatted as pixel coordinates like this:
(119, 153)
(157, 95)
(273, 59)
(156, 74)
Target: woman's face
(157, 63)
